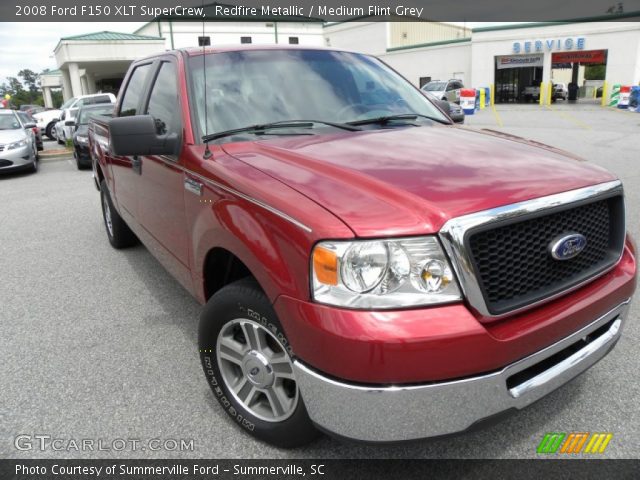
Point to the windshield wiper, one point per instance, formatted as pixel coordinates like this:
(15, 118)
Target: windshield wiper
(273, 125)
(389, 118)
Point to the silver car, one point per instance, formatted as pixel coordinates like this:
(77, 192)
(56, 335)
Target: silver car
(17, 144)
(448, 90)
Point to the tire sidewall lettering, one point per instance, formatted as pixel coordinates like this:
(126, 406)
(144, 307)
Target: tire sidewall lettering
(252, 314)
(221, 397)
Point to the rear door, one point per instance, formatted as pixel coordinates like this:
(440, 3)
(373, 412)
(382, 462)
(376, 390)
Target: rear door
(125, 170)
(161, 206)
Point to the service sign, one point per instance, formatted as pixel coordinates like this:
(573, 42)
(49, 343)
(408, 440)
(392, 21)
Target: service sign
(549, 45)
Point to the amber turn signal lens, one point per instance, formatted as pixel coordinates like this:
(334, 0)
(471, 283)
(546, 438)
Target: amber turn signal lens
(325, 266)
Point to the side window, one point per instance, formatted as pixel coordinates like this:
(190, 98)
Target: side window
(163, 103)
(133, 92)
(450, 86)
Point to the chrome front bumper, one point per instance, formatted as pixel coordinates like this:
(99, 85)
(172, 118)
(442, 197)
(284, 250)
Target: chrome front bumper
(397, 413)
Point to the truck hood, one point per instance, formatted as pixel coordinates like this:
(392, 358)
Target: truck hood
(411, 180)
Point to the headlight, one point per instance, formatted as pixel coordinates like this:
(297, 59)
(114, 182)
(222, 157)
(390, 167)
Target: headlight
(21, 143)
(382, 274)
(81, 139)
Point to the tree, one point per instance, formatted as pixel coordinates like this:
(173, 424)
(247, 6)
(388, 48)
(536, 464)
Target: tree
(30, 79)
(19, 94)
(594, 72)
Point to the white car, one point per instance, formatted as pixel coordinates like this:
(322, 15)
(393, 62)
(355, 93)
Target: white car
(560, 90)
(448, 90)
(64, 132)
(47, 120)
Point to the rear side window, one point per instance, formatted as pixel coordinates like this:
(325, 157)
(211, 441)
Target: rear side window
(134, 92)
(163, 103)
(101, 99)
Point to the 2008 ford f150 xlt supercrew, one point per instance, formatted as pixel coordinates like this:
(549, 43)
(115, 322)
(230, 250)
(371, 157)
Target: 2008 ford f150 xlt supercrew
(368, 268)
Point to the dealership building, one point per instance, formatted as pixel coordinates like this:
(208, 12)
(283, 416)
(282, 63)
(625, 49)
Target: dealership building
(506, 58)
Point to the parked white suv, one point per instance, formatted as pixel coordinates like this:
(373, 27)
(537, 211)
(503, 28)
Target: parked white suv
(47, 120)
(445, 89)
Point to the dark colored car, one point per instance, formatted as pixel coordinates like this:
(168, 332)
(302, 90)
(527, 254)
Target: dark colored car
(80, 126)
(368, 268)
(27, 119)
(454, 110)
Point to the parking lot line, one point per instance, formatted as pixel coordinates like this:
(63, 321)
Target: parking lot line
(497, 116)
(570, 118)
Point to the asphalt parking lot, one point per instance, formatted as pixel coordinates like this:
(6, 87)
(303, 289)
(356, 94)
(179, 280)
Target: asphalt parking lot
(101, 344)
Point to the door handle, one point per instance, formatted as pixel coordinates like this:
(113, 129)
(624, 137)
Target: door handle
(193, 186)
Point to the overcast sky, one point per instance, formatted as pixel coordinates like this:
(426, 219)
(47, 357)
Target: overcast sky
(30, 45)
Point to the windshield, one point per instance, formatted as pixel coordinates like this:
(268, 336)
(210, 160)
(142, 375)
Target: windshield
(87, 114)
(435, 86)
(68, 103)
(264, 86)
(9, 122)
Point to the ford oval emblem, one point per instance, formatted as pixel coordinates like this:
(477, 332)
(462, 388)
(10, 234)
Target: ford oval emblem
(567, 246)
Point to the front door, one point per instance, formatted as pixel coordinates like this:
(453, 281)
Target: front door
(125, 169)
(161, 208)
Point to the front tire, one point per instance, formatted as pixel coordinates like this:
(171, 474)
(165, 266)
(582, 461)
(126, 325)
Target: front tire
(118, 232)
(248, 363)
(50, 131)
(34, 165)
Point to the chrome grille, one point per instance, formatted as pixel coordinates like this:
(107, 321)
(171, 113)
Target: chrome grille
(501, 255)
(513, 263)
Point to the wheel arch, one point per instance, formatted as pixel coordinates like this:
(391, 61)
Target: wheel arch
(222, 267)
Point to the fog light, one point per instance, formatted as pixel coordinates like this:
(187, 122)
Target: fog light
(435, 276)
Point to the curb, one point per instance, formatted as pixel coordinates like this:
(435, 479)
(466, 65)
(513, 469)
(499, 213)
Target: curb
(55, 155)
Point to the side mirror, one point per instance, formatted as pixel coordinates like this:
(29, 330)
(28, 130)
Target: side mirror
(136, 135)
(70, 123)
(29, 126)
(458, 118)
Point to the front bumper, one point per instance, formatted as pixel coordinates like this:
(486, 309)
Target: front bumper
(16, 158)
(81, 152)
(398, 413)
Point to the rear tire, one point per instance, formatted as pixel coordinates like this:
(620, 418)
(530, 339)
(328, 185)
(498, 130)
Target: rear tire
(118, 232)
(247, 361)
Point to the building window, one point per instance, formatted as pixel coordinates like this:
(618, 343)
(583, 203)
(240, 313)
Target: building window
(245, 39)
(294, 40)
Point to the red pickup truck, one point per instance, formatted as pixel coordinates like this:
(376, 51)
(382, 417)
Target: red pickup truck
(368, 268)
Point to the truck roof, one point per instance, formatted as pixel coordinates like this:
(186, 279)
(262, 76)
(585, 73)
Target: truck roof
(194, 51)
